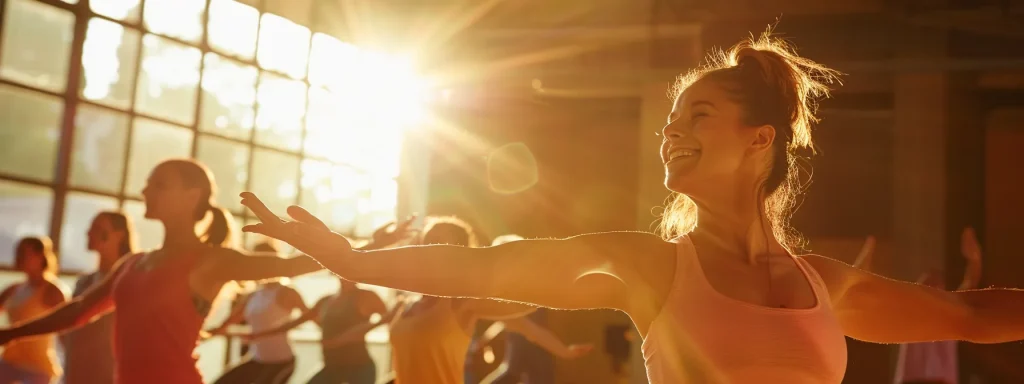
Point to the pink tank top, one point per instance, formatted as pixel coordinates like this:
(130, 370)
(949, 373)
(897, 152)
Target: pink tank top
(703, 336)
(156, 323)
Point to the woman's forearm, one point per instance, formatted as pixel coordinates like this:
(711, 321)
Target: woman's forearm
(997, 315)
(63, 318)
(438, 270)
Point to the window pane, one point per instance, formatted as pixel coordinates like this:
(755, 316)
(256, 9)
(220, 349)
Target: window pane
(29, 132)
(108, 63)
(297, 11)
(182, 19)
(332, 63)
(342, 129)
(381, 208)
(36, 44)
(97, 159)
(148, 233)
(284, 46)
(24, 211)
(229, 163)
(322, 125)
(282, 105)
(335, 193)
(167, 84)
(274, 179)
(229, 93)
(152, 143)
(79, 211)
(232, 28)
(127, 10)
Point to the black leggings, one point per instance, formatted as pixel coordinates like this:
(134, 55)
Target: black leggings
(253, 372)
(359, 374)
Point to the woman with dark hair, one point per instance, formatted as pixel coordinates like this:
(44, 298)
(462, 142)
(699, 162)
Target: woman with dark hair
(725, 301)
(88, 354)
(33, 360)
(161, 298)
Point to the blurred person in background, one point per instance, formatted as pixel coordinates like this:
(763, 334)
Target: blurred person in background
(88, 353)
(430, 337)
(936, 362)
(33, 360)
(524, 362)
(268, 360)
(344, 319)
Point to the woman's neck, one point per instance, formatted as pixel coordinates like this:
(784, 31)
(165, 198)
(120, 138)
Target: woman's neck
(108, 259)
(180, 236)
(738, 228)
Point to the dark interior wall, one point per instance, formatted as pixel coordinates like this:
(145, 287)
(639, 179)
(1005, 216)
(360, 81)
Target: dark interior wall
(585, 153)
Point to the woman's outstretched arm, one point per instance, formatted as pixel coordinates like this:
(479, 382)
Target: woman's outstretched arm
(600, 270)
(71, 314)
(877, 309)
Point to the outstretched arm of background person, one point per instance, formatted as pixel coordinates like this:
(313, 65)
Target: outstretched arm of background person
(81, 310)
(546, 339)
(235, 317)
(877, 309)
(311, 314)
(369, 306)
(601, 270)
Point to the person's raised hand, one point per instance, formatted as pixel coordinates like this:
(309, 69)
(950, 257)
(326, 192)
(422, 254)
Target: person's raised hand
(969, 246)
(391, 233)
(305, 232)
(577, 350)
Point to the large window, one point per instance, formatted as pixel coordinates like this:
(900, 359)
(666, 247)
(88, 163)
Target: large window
(260, 96)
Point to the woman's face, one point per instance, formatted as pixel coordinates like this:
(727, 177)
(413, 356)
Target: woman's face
(166, 196)
(102, 236)
(705, 141)
(31, 261)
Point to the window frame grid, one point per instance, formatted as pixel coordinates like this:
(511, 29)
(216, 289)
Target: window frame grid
(72, 100)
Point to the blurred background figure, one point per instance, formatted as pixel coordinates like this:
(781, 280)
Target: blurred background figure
(938, 362)
(32, 360)
(268, 360)
(524, 362)
(88, 353)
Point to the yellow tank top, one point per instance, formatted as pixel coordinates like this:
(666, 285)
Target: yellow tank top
(36, 354)
(429, 346)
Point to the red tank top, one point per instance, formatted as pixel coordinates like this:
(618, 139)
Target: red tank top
(156, 324)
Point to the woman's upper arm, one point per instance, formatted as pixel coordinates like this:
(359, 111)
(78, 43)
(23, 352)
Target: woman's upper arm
(606, 270)
(491, 309)
(233, 265)
(877, 309)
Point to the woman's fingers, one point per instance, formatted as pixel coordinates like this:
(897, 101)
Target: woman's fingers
(249, 200)
(303, 216)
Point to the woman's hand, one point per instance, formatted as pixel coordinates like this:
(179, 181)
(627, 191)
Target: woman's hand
(306, 233)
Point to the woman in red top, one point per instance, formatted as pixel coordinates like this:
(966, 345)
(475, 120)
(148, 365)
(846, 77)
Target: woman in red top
(160, 298)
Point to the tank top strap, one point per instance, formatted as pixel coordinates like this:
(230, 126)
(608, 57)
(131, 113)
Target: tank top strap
(817, 283)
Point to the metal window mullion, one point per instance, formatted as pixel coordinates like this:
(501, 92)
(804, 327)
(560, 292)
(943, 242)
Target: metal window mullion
(131, 106)
(67, 135)
(204, 47)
